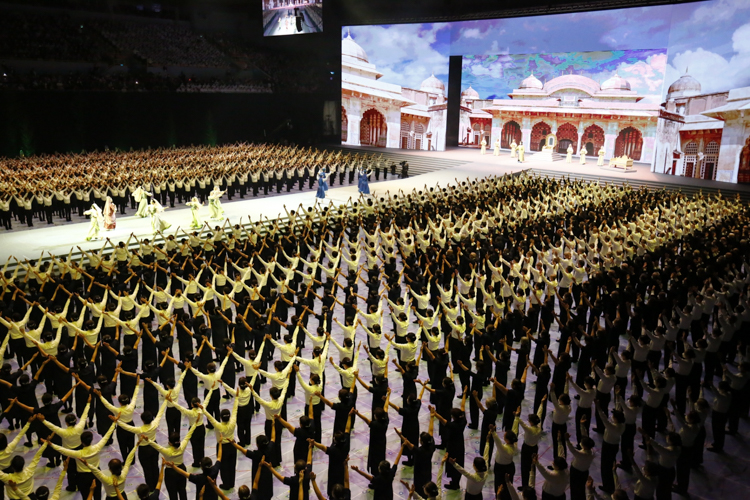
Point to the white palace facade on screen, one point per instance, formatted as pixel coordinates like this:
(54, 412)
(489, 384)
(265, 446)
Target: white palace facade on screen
(377, 113)
(705, 136)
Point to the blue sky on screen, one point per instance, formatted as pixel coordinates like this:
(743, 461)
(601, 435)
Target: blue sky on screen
(406, 54)
(495, 76)
(639, 28)
(710, 39)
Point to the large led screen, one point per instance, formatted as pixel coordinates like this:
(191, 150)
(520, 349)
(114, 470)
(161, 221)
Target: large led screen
(292, 17)
(666, 87)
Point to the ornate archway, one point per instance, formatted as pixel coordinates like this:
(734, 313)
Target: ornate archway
(567, 135)
(511, 132)
(373, 129)
(593, 137)
(344, 125)
(405, 128)
(710, 159)
(629, 142)
(538, 136)
(691, 156)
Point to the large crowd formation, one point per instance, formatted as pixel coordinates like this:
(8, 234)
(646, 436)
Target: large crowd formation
(386, 315)
(48, 187)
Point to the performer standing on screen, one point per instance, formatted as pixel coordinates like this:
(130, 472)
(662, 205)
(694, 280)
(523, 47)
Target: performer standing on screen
(322, 184)
(195, 206)
(602, 152)
(583, 154)
(484, 146)
(110, 214)
(521, 151)
(215, 210)
(513, 148)
(569, 157)
(497, 147)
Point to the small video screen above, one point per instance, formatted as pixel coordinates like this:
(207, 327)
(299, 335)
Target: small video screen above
(292, 17)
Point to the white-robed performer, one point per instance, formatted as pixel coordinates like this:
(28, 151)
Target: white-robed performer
(195, 207)
(484, 146)
(215, 210)
(583, 152)
(513, 147)
(110, 214)
(95, 213)
(569, 157)
(141, 197)
(497, 147)
(157, 223)
(602, 152)
(521, 152)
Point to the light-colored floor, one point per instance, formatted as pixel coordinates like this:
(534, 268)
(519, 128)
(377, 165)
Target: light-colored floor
(721, 476)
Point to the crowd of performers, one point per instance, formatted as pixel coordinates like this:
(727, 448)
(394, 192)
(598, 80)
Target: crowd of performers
(623, 309)
(49, 187)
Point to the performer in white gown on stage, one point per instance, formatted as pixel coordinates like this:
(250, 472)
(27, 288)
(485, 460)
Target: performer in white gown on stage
(157, 223)
(600, 161)
(521, 152)
(569, 157)
(110, 214)
(215, 210)
(497, 147)
(195, 207)
(513, 148)
(96, 220)
(141, 197)
(583, 152)
(484, 146)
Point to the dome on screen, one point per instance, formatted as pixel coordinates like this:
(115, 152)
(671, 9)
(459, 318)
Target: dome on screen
(350, 48)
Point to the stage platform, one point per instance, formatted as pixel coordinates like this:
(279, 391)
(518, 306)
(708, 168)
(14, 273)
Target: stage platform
(720, 474)
(441, 168)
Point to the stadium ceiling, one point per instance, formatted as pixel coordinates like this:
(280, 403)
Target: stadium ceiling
(353, 12)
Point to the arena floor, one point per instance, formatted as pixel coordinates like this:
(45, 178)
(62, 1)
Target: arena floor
(721, 476)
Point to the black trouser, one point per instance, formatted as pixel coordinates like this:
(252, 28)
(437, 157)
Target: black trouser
(664, 486)
(175, 483)
(527, 452)
(126, 440)
(627, 443)
(174, 419)
(452, 472)
(609, 455)
(578, 480)
(275, 457)
(718, 427)
(604, 400)
(149, 459)
(648, 420)
(244, 421)
(500, 471)
(83, 482)
(561, 429)
(198, 443)
(684, 461)
(228, 465)
(581, 412)
(212, 405)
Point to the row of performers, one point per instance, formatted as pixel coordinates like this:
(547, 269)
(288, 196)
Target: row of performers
(107, 219)
(518, 151)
